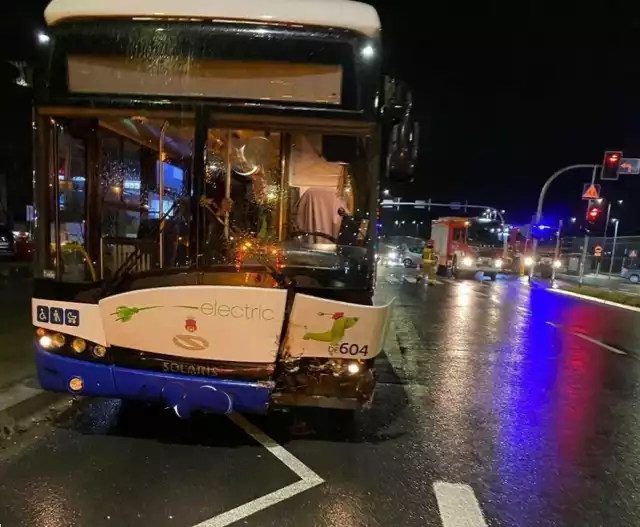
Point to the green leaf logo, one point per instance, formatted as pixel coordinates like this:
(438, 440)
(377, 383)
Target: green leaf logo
(125, 313)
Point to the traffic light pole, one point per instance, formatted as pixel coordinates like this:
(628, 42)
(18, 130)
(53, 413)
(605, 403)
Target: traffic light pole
(556, 254)
(613, 251)
(583, 259)
(543, 193)
(604, 240)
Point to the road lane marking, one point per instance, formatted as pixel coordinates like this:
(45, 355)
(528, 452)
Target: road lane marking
(458, 505)
(308, 478)
(594, 341)
(286, 457)
(590, 339)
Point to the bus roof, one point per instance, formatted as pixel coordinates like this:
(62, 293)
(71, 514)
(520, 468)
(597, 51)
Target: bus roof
(344, 14)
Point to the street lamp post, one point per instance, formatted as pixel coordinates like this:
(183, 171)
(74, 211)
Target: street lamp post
(543, 193)
(613, 250)
(556, 254)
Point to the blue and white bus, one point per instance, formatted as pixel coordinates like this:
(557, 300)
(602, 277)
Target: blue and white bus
(206, 183)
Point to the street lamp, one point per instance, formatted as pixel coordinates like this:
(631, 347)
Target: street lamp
(573, 220)
(386, 191)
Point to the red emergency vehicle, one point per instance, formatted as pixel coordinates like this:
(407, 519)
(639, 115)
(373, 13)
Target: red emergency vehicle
(462, 249)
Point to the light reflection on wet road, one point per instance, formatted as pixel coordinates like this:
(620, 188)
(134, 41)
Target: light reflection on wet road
(489, 385)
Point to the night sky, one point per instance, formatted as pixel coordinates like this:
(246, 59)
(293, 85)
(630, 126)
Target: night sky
(506, 94)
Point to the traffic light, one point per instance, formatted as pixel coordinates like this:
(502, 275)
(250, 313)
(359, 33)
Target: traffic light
(593, 213)
(611, 165)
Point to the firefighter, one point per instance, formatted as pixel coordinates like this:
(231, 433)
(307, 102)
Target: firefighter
(429, 263)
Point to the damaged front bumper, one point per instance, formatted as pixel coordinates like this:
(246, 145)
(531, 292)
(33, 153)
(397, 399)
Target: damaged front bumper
(320, 387)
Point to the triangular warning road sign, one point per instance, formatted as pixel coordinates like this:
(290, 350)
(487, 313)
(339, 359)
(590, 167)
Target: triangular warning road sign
(591, 193)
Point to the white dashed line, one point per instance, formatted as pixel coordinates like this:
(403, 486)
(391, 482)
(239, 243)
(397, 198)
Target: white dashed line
(594, 341)
(590, 339)
(308, 479)
(458, 505)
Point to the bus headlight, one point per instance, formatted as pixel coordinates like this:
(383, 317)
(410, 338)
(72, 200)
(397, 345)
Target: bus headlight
(79, 345)
(528, 261)
(99, 351)
(467, 262)
(46, 342)
(557, 264)
(497, 263)
(353, 368)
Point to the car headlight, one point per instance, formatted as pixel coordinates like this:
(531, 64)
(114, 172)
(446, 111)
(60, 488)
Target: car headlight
(557, 264)
(392, 256)
(467, 262)
(497, 263)
(528, 261)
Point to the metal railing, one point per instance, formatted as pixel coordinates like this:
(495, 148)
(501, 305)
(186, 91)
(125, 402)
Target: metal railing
(114, 252)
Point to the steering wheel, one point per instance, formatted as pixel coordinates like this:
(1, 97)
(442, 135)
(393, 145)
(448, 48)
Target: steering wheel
(318, 234)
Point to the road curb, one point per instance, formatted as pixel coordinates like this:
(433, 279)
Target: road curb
(41, 406)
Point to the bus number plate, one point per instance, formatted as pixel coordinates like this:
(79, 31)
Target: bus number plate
(349, 349)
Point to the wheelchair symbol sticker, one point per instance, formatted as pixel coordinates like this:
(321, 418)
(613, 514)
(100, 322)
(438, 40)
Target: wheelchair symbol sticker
(43, 314)
(72, 317)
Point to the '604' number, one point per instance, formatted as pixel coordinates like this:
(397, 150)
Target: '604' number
(350, 349)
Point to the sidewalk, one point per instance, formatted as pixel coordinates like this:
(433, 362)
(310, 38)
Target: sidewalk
(601, 281)
(16, 332)
(21, 398)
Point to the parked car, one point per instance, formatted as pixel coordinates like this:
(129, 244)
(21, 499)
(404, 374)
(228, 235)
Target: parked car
(7, 244)
(631, 272)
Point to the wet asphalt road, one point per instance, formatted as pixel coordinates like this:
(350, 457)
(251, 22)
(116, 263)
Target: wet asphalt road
(528, 397)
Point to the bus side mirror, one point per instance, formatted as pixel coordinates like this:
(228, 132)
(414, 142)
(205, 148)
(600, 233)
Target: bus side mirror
(403, 141)
(403, 150)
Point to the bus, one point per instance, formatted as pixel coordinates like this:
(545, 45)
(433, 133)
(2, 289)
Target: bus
(206, 185)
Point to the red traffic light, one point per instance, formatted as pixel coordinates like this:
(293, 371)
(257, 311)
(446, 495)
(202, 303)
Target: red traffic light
(611, 165)
(593, 213)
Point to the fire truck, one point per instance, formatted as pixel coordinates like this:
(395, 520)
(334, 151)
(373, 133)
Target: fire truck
(465, 247)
